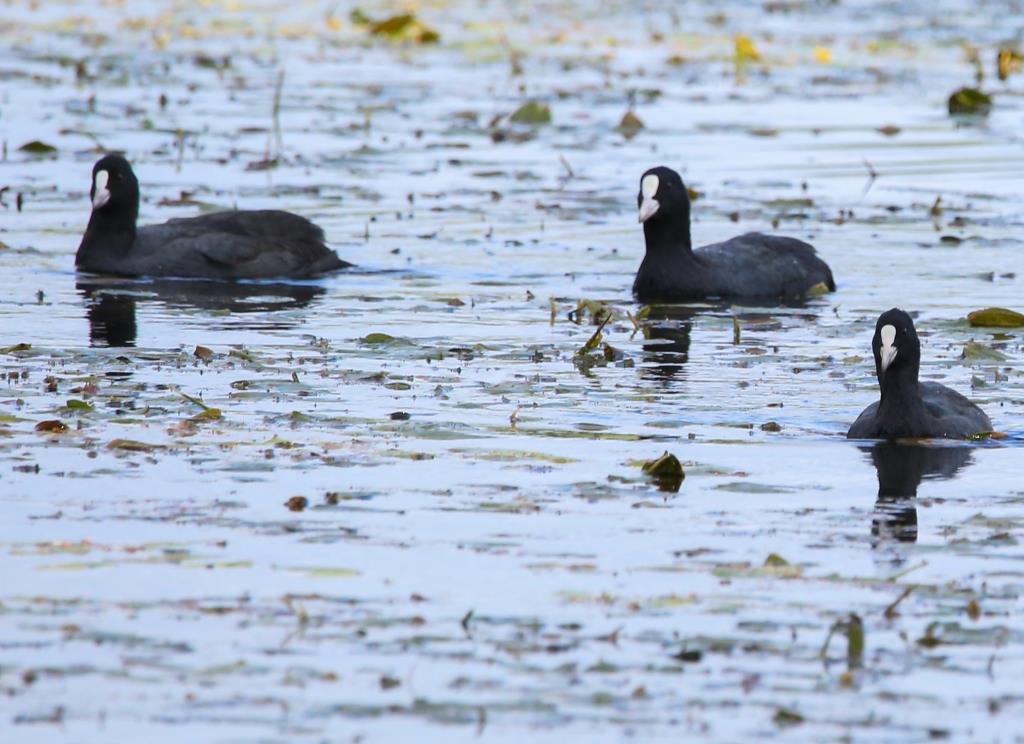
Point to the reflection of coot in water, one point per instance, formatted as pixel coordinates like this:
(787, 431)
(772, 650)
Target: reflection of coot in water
(750, 265)
(667, 340)
(901, 467)
(259, 244)
(110, 306)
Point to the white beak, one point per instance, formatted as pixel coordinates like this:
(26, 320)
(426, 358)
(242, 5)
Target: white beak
(648, 208)
(648, 204)
(888, 352)
(100, 193)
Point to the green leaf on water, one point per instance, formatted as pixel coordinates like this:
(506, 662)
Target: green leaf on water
(532, 112)
(854, 642)
(382, 339)
(996, 317)
(35, 147)
(14, 348)
(784, 717)
(401, 27)
(975, 351)
(818, 289)
(666, 471)
(969, 102)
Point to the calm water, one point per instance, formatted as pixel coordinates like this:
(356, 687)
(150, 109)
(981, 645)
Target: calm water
(491, 563)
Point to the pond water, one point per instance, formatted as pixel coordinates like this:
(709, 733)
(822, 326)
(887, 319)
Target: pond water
(474, 552)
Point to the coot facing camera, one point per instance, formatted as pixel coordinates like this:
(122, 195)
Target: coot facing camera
(909, 408)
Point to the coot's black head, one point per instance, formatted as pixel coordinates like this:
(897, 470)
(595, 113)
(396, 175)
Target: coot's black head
(115, 190)
(662, 197)
(896, 346)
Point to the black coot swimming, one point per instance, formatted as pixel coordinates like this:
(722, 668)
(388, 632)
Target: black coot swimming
(750, 265)
(261, 244)
(908, 408)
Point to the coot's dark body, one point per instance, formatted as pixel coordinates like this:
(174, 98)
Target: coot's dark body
(909, 408)
(261, 244)
(750, 265)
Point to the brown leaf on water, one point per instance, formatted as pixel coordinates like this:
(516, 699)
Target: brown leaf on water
(51, 426)
(132, 445)
(202, 352)
(630, 125)
(297, 503)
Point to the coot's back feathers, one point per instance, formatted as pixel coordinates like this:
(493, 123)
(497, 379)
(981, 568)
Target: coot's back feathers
(260, 244)
(749, 265)
(235, 245)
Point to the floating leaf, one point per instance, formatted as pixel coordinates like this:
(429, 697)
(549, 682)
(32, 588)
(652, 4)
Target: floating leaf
(297, 503)
(745, 49)
(532, 112)
(630, 125)
(996, 317)
(969, 102)
(1008, 61)
(201, 352)
(15, 348)
(51, 426)
(401, 27)
(666, 471)
(131, 445)
(785, 717)
(822, 55)
(35, 147)
(854, 642)
(208, 414)
(818, 289)
(78, 405)
(380, 339)
(974, 351)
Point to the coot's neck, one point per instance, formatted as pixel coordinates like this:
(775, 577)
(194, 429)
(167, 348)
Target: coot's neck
(901, 410)
(667, 238)
(108, 237)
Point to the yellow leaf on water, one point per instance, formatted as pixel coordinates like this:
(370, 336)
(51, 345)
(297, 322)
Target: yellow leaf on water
(822, 55)
(745, 49)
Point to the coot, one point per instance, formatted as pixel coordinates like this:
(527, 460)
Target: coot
(909, 408)
(261, 244)
(750, 265)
